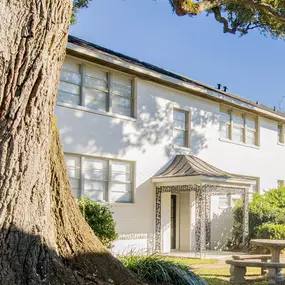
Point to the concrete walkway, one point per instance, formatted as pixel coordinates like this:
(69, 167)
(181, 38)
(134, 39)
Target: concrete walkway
(207, 255)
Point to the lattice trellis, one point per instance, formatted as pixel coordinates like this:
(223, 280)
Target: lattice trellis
(203, 211)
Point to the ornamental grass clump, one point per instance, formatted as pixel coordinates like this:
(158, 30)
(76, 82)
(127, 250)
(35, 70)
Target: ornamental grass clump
(155, 269)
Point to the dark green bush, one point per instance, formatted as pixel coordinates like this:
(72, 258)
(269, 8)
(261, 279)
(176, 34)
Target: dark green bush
(271, 231)
(158, 270)
(264, 209)
(100, 219)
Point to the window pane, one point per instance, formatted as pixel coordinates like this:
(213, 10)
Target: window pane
(280, 134)
(224, 201)
(238, 120)
(250, 137)
(91, 185)
(121, 166)
(95, 99)
(95, 168)
(71, 64)
(121, 101)
(121, 197)
(73, 170)
(224, 130)
(122, 85)
(121, 187)
(96, 83)
(97, 73)
(180, 124)
(69, 88)
(122, 110)
(70, 76)
(95, 195)
(63, 97)
(179, 137)
(238, 134)
(179, 115)
(121, 171)
(251, 123)
(225, 117)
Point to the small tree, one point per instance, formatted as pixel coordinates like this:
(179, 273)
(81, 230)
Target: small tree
(266, 208)
(100, 218)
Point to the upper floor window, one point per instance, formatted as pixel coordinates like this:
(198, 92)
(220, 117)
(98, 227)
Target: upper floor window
(100, 179)
(180, 132)
(92, 87)
(281, 133)
(237, 126)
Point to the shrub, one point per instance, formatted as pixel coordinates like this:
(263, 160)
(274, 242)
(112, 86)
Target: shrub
(158, 270)
(268, 208)
(100, 219)
(271, 231)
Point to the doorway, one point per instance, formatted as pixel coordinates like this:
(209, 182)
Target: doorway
(173, 219)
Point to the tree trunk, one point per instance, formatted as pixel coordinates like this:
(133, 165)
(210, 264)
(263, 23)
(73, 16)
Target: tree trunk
(43, 237)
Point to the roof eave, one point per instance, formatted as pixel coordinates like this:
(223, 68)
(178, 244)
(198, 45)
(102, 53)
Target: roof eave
(207, 92)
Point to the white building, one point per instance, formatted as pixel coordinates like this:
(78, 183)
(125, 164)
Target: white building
(160, 148)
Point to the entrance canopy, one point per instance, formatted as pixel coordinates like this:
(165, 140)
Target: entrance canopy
(193, 169)
(187, 173)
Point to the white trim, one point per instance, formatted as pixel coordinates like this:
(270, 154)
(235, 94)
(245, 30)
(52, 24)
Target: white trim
(98, 112)
(238, 143)
(192, 87)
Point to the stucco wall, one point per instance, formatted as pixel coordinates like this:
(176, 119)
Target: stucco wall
(148, 142)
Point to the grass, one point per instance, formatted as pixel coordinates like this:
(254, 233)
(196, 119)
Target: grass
(217, 274)
(212, 271)
(190, 261)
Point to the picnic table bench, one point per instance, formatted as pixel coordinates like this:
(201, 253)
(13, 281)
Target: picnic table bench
(262, 257)
(238, 270)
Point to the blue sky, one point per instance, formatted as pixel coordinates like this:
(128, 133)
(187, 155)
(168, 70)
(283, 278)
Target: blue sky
(251, 66)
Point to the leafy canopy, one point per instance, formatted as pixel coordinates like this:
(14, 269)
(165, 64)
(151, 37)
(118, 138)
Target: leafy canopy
(77, 4)
(239, 16)
(236, 16)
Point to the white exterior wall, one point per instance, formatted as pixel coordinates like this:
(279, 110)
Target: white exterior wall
(147, 141)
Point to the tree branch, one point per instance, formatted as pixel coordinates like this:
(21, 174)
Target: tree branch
(184, 7)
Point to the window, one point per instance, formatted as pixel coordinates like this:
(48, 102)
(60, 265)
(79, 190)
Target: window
(101, 179)
(180, 132)
(238, 126)
(280, 133)
(280, 183)
(225, 123)
(90, 86)
(73, 170)
(224, 201)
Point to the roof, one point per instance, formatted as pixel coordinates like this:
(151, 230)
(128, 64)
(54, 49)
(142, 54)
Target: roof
(94, 47)
(189, 165)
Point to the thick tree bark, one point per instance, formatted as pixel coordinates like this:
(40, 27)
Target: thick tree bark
(43, 237)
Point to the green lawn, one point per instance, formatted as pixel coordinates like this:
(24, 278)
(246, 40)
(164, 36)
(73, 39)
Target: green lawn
(215, 273)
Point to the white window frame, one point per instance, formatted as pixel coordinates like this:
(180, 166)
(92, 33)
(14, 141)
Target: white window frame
(280, 138)
(109, 180)
(186, 130)
(245, 116)
(110, 72)
(228, 197)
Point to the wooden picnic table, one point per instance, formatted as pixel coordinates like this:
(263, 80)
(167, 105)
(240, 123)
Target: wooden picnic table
(275, 247)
